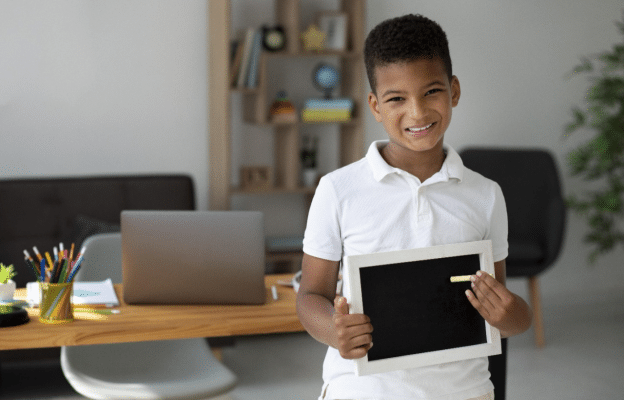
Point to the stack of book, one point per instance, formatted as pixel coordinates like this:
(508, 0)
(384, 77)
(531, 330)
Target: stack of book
(245, 58)
(327, 110)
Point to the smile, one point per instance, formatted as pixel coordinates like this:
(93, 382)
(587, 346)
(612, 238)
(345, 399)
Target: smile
(424, 128)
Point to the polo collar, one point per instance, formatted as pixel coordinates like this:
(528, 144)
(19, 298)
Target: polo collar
(453, 167)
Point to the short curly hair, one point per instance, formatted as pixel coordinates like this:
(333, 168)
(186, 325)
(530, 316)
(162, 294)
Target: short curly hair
(402, 39)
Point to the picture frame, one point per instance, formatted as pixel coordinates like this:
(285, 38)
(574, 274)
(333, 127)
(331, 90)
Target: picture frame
(256, 177)
(334, 25)
(442, 325)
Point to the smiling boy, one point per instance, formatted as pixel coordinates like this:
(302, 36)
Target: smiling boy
(410, 191)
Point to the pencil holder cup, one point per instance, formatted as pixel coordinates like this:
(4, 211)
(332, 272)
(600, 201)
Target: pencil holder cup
(55, 306)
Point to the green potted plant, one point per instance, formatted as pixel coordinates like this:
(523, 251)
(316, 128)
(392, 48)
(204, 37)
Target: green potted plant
(600, 160)
(7, 286)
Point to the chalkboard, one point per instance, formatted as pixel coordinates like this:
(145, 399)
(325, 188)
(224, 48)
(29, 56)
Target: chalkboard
(418, 315)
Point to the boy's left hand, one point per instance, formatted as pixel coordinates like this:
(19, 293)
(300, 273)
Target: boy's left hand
(496, 304)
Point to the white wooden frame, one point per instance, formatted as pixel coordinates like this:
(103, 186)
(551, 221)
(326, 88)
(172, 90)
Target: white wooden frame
(354, 263)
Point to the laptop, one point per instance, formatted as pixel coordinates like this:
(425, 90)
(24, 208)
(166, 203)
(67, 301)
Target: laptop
(193, 257)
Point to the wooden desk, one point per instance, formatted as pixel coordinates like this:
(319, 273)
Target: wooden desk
(137, 323)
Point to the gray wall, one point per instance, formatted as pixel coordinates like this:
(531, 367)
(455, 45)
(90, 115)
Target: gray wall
(120, 86)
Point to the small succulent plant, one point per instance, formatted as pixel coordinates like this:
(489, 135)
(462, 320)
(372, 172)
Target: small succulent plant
(6, 273)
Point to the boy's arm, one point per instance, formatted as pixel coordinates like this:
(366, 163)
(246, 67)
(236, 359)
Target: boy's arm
(498, 305)
(334, 326)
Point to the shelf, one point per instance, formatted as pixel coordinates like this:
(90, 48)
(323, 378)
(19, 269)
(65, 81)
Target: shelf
(324, 53)
(255, 102)
(276, 190)
(352, 122)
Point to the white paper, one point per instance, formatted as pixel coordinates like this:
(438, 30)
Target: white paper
(84, 293)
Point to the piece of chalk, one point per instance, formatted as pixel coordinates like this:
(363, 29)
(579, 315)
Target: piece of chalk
(274, 290)
(462, 278)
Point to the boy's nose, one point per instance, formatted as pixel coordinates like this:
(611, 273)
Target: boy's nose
(417, 109)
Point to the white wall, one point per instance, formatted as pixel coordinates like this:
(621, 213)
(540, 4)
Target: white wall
(100, 87)
(103, 87)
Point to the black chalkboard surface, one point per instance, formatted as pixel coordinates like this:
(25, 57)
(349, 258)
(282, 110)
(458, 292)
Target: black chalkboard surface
(414, 308)
(419, 316)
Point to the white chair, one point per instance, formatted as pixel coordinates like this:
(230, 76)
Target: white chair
(165, 369)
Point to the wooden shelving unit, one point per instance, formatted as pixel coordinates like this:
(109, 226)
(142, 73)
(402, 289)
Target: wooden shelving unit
(256, 101)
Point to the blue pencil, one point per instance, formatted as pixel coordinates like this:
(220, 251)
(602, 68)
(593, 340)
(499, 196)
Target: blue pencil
(76, 268)
(43, 269)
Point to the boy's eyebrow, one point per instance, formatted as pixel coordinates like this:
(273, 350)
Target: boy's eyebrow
(392, 91)
(395, 91)
(435, 83)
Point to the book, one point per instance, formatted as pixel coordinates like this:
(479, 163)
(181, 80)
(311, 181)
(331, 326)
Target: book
(328, 104)
(244, 67)
(238, 57)
(85, 293)
(316, 115)
(252, 75)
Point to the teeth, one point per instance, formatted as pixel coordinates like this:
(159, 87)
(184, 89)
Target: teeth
(420, 129)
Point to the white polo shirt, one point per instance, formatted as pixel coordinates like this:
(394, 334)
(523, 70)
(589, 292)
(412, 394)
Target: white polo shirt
(371, 207)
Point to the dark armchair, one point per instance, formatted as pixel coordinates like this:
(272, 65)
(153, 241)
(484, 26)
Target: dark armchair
(536, 213)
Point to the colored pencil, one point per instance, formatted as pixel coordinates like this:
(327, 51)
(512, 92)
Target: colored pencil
(55, 271)
(49, 260)
(42, 266)
(71, 252)
(32, 266)
(39, 258)
(32, 262)
(63, 274)
(81, 252)
(75, 270)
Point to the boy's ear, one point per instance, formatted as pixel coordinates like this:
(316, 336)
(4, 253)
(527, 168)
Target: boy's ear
(373, 104)
(455, 91)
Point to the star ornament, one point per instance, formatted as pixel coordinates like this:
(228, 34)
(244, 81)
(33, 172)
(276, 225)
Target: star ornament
(313, 39)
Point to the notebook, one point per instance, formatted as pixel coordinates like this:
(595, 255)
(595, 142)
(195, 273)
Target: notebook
(193, 257)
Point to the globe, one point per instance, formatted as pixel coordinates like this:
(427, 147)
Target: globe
(326, 78)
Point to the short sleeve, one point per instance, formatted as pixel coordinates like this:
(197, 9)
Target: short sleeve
(322, 235)
(498, 226)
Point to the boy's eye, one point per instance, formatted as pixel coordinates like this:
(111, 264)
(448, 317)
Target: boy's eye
(396, 99)
(432, 91)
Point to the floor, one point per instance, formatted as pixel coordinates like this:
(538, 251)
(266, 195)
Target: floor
(583, 359)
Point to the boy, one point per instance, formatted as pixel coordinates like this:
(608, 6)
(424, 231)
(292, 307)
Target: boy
(408, 192)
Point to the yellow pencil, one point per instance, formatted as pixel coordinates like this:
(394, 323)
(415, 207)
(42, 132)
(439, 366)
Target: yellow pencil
(71, 253)
(51, 264)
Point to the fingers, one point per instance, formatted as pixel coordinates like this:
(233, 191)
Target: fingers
(490, 298)
(483, 292)
(353, 331)
(340, 305)
(476, 303)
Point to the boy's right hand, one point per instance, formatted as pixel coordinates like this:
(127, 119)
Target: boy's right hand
(353, 331)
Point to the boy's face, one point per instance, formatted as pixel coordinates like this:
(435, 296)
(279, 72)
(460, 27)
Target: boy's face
(414, 103)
